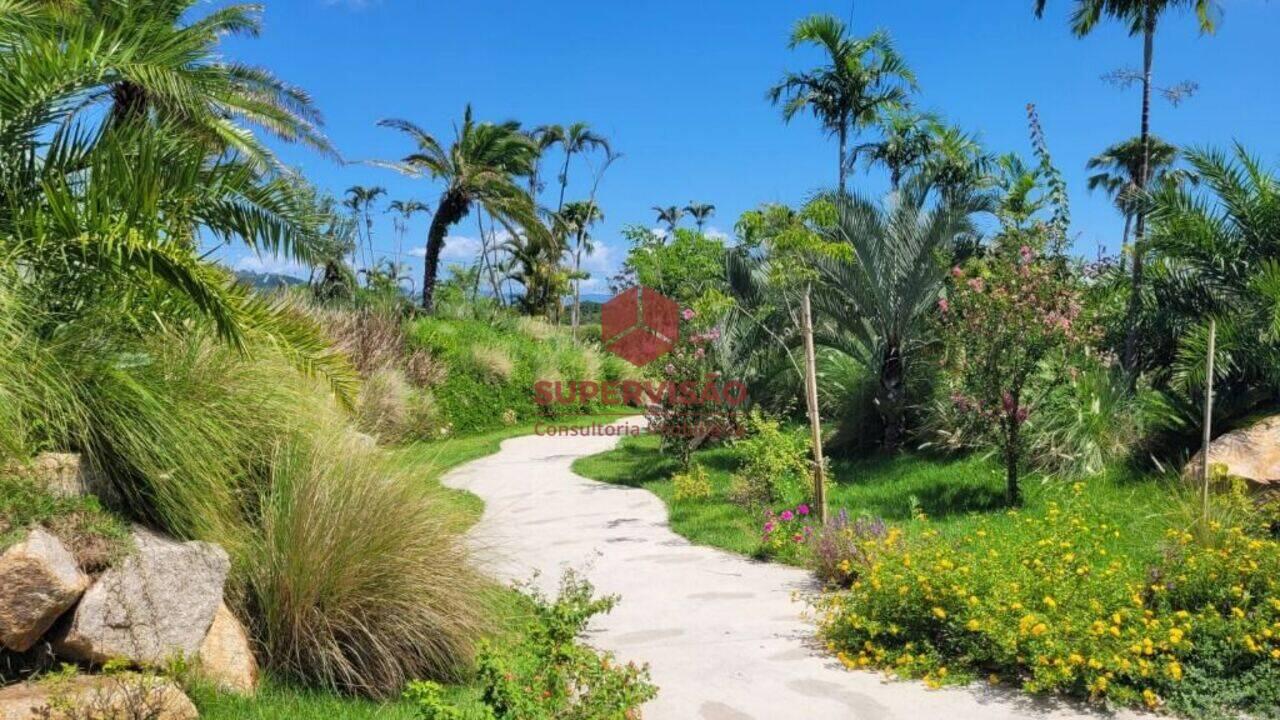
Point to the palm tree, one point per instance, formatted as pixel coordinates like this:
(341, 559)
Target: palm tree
(958, 164)
(577, 138)
(670, 215)
(544, 137)
(177, 76)
(700, 212)
(872, 305)
(1018, 184)
(404, 210)
(863, 78)
(480, 167)
(907, 138)
(1118, 167)
(576, 219)
(1141, 16)
(360, 199)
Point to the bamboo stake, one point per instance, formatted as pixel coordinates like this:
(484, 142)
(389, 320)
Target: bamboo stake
(811, 401)
(1208, 419)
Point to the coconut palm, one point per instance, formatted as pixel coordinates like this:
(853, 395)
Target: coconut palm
(700, 212)
(907, 138)
(1118, 167)
(872, 305)
(671, 215)
(480, 167)
(863, 77)
(576, 220)
(1141, 17)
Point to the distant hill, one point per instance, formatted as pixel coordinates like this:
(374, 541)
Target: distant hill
(267, 281)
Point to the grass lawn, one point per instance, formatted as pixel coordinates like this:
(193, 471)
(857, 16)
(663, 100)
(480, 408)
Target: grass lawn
(279, 701)
(955, 493)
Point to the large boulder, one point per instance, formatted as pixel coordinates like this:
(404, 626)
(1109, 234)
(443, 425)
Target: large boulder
(1252, 453)
(39, 581)
(102, 697)
(226, 657)
(152, 607)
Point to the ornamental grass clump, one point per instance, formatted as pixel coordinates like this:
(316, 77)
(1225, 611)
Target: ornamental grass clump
(1053, 601)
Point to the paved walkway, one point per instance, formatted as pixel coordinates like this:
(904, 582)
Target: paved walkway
(723, 635)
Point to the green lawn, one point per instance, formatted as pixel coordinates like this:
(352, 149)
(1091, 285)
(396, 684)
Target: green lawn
(953, 492)
(280, 701)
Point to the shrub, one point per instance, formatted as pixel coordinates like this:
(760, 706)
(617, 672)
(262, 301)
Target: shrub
(550, 674)
(494, 361)
(356, 581)
(1054, 602)
(840, 549)
(774, 464)
(382, 407)
(693, 484)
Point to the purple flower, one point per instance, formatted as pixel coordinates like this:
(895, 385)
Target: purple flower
(787, 516)
(803, 509)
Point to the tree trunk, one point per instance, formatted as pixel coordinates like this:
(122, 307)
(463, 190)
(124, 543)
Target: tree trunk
(1013, 490)
(1135, 302)
(1124, 237)
(891, 397)
(811, 401)
(452, 209)
(577, 284)
(844, 140)
(564, 179)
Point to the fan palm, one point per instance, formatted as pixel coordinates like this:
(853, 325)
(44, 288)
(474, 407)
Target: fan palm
(872, 306)
(700, 212)
(480, 167)
(1142, 17)
(1118, 167)
(863, 77)
(671, 215)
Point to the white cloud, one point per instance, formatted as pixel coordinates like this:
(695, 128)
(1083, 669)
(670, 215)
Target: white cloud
(716, 233)
(271, 264)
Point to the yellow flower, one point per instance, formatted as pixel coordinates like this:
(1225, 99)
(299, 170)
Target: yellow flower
(1175, 636)
(1050, 603)
(973, 626)
(1151, 699)
(1039, 629)
(939, 613)
(1174, 670)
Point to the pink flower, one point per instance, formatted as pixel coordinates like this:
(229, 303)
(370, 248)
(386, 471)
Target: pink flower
(1006, 400)
(699, 353)
(671, 369)
(943, 305)
(957, 272)
(1025, 252)
(797, 538)
(803, 509)
(769, 526)
(713, 334)
(787, 516)
(688, 314)
(976, 284)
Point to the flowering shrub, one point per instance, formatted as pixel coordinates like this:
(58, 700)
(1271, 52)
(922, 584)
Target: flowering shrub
(836, 552)
(685, 423)
(773, 466)
(785, 535)
(1052, 603)
(693, 484)
(1001, 320)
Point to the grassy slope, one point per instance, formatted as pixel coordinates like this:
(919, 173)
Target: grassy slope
(953, 493)
(280, 702)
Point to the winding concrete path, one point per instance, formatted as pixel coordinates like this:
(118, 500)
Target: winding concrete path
(723, 635)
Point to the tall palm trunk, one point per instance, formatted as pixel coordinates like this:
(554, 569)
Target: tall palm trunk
(891, 395)
(844, 141)
(1124, 237)
(577, 282)
(453, 207)
(564, 178)
(1135, 288)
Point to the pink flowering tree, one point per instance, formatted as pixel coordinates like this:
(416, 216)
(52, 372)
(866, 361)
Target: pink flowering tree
(701, 404)
(1002, 319)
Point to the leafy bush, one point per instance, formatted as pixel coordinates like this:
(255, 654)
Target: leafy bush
(356, 580)
(774, 464)
(835, 551)
(1056, 603)
(549, 674)
(693, 484)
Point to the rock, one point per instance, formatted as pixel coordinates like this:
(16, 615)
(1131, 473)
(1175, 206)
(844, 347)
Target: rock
(226, 657)
(102, 697)
(67, 475)
(1252, 453)
(151, 607)
(39, 581)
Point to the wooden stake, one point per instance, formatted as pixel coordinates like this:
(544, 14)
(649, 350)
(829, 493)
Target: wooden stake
(1208, 418)
(811, 401)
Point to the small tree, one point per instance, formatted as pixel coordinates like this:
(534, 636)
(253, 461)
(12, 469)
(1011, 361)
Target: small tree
(1001, 320)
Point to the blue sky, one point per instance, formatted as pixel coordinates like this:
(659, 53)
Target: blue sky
(678, 87)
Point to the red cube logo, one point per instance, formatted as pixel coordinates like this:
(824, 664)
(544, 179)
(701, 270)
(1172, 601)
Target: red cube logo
(639, 325)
